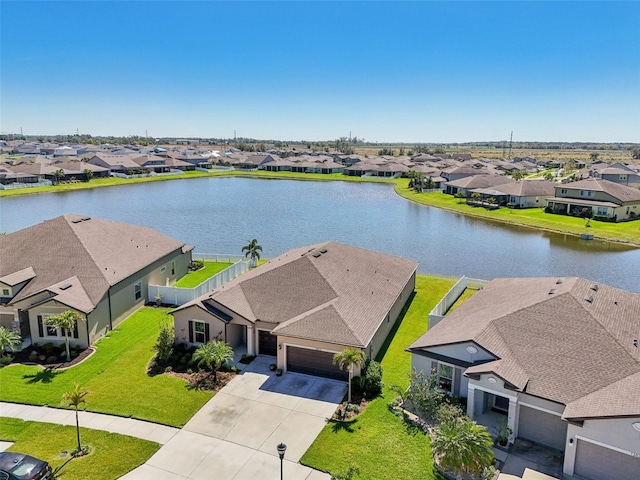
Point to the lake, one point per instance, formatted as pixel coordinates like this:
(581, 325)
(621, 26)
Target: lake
(219, 215)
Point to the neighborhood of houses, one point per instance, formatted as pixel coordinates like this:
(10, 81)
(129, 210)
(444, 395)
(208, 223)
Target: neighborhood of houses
(606, 192)
(557, 359)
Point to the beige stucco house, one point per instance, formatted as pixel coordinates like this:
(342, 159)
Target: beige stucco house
(98, 268)
(602, 198)
(304, 306)
(556, 358)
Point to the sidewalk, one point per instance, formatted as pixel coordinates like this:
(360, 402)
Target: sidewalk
(126, 426)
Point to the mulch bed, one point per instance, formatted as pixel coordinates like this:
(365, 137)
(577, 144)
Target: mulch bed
(204, 381)
(341, 414)
(23, 357)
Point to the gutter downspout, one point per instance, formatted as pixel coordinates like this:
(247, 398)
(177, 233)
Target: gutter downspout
(110, 314)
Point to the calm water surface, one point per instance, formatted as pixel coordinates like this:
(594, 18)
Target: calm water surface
(219, 215)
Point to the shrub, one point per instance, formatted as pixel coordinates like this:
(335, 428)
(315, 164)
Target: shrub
(196, 265)
(372, 379)
(5, 360)
(33, 356)
(168, 369)
(424, 394)
(52, 359)
(47, 348)
(448, 412)
(164, 345)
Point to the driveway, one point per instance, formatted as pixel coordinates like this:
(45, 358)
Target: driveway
(234, 436)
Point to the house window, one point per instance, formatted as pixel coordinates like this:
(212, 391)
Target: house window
(5, 292)
(563, 191)
(137, 291)
(44, 329)
(199, 332)
(445, 377)
(586, 193)
(603, 210)
(173, 268)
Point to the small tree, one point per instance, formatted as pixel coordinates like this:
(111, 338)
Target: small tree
(212, 355)
(74, 398)
(66, 322)
(476, 197)
(460, 196)
(9, 339)
(88, 174)
(57, 176)
(462, 446)
(252, 250)
(424, 394)
(349, 358)
(164, 345)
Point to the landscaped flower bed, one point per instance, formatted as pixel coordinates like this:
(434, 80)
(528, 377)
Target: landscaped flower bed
(51, 356)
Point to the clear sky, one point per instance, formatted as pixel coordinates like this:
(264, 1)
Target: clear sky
(384, 71)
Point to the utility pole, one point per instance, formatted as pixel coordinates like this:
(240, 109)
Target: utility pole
(510, 144)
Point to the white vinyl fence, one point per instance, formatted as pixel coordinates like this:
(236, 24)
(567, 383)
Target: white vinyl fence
(180, 296)
(439, 311)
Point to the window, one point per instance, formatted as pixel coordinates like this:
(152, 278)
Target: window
(5, 292)
(586, 193)
(173, 268)
(199, 332)
(563, 191)
(137, 290)
(603, 210)
(445, 377)
(44, 329)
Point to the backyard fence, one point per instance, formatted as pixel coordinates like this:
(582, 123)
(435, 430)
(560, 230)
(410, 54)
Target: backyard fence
(39, 183)
(439, 311)
(180, 296)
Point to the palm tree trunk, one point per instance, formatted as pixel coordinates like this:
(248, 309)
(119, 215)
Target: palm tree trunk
(349, 396)
(78, 430)
(66, 339)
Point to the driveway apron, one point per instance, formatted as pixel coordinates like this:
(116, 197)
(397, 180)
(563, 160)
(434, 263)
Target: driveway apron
(234, 436)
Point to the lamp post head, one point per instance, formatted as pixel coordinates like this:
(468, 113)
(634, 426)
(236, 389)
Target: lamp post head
(281, 449)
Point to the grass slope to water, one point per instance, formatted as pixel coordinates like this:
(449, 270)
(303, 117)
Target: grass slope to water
(193, 279)
(111, 456)
(624, 232)
(381, 445)
(115, 375)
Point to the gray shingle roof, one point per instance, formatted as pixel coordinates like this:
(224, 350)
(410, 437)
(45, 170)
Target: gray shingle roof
(563, 346)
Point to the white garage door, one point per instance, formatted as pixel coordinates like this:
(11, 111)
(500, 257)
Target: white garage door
(599, 463)
(542, 428)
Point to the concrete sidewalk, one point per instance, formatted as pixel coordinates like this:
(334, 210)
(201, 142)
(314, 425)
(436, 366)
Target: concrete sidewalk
(98, 421)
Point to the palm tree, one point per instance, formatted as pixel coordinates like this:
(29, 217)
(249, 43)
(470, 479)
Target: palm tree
(252, 249)
(57, 176)
(75, 398)
(66, 321)
(462, 446)
(9, 339)
(349, 358)
(212, 355)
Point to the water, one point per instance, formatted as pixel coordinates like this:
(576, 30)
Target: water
(219, 215)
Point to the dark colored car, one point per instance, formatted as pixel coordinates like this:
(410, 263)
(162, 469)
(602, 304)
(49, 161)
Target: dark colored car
(18, 466)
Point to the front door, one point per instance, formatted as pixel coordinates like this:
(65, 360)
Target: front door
(267, 343)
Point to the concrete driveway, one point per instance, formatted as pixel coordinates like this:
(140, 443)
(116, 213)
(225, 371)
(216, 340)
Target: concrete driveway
(234, 436)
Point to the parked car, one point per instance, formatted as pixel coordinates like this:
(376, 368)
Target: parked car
(18, 466)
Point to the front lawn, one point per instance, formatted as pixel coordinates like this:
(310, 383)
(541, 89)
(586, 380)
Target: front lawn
(116, 376)
(193, 279)
(111, 455)
(380, 444)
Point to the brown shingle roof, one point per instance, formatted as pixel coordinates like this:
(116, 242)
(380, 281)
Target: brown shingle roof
(98, 252)
(570, 339)
(330, 292)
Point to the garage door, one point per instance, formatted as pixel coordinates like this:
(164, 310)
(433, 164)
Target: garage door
(599, 463)
(543, 428)
(267, 343)
(314, 362)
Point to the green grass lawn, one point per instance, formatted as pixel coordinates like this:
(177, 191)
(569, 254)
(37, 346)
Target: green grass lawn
(111, 456)
(624, 232)
(116, 377)
(380, 444)
(193, 279)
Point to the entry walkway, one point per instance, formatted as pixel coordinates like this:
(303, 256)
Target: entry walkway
(126, 426)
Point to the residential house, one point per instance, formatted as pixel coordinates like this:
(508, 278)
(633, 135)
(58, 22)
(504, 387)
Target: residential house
(466, 184)
(619, 173)
(556, 358)
(458, 172)
(520, 194)
(603, 199)
(117, 163)
(98, 268)
(305, 306)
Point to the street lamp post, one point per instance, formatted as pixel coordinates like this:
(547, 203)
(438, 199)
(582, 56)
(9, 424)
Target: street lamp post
(281, 449)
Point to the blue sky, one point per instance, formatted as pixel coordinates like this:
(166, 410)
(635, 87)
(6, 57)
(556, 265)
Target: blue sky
(385, 71)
